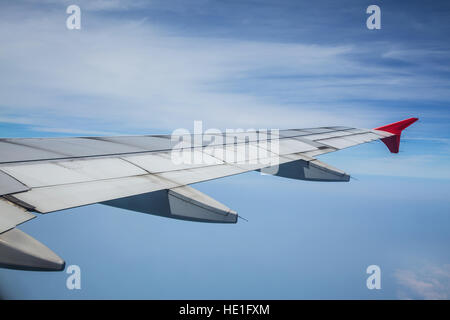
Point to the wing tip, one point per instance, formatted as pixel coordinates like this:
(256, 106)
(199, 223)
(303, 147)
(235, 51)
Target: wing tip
(396, 128)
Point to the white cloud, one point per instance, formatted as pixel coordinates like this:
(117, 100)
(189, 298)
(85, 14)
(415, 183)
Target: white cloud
(128, 73)
(95, 5)
(76, 131)
(123, 74)
(431, 283)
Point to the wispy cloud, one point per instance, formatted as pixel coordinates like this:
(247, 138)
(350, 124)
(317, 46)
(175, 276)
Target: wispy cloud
(120, 74)
(94, 5)
(418, 165)
(76, 131)
(432, 282)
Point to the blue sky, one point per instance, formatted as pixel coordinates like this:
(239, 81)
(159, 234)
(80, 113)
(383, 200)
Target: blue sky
(139, 67)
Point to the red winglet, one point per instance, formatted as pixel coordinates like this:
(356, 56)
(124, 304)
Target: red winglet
(393, 142)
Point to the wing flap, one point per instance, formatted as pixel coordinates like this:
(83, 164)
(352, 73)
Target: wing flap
(189, 176)
(64, 172)
(12, 215)
(338, 143)
(10, 185)
(54, 198)
(291, 145)
(163, 162)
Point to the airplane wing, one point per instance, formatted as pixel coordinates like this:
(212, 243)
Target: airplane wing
(152, 174)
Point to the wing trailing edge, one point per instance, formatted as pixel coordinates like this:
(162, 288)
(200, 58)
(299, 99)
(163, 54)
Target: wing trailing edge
(12, 215)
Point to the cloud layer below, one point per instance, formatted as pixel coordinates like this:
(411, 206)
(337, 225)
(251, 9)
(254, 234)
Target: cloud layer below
(431, 283)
